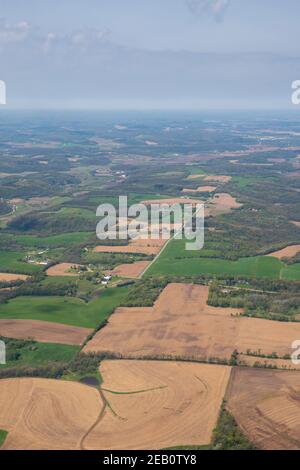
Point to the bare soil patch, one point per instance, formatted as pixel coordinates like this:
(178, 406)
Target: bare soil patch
(295, 223)
(44, 332)
(155, 405)
(6, 277)
(266, 405)
(195, 177)
(63, 269)
(288, 252)
(133, 270)
(42, 414)
(201, 189)
(222, 204)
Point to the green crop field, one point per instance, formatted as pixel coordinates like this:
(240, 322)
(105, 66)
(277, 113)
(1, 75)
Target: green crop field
(176, 249)
(34, 354)
(291, 272)
(67, 310)
(11, 261)
(64, 239)
(172, 262)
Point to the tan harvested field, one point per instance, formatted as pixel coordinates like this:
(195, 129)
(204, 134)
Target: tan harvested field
(288, 252)
(182, 325)
(133, 270)
(217, 178)
(195, 177)
(5, 277)
(201, 189)
(158, 404)
(221, 203)
(41, 414)
(44, 332)
(266, 405)
(225, 201)
(266, 335)
(147, 247)
(295, 223)
(62, 269)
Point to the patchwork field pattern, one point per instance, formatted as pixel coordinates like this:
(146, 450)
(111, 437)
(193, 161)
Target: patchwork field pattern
(181, 324)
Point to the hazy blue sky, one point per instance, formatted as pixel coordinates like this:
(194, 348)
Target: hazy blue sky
(149, 53)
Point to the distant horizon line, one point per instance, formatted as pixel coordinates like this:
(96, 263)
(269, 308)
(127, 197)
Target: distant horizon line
(195, 110)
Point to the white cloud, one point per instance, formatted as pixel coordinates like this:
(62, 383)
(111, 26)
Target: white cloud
(23, 33)
(14, 33)
(215, 7)
(87, 37)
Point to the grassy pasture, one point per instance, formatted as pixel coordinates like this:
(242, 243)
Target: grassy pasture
(11, 261)
(34, 354)
(291, 272)
(66, 310)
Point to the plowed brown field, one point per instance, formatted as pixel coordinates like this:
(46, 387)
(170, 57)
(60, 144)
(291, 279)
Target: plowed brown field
(154, 405)
(266, 405)
(222, 203)
(133, 270)
(62, 269)
(44, 332)
(147, 247)
(46, 414)
(201, 189)
(6, 277)
(287, 252)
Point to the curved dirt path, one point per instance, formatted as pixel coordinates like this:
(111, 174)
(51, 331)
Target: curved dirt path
(99, 418)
